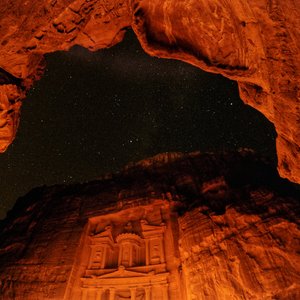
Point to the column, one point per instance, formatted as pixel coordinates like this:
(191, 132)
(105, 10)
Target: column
(120, 255)
(147, 252)
(147, 293)
(99, 293)
(84, 294)
(130, 253)
(92, 293)
(104, 257)
(112, 292)
(162, 251)
(165, 292)
(133, 293)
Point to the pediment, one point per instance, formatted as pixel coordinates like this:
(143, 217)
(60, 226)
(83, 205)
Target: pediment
(148, 228)
(102, 234)
(106, 234)
(122, 272)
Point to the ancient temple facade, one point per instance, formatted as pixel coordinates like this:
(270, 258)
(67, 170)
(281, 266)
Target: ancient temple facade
(131, 254)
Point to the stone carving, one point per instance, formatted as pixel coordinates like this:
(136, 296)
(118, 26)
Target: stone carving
(127, 261)
(102, 245)
(129, 245)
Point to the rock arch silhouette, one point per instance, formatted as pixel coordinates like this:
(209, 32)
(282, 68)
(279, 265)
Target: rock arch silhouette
(256, 44)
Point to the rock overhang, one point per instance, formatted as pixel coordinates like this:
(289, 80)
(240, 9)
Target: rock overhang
(256, 44)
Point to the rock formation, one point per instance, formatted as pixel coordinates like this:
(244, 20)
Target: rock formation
(176, 226)
(253, 42)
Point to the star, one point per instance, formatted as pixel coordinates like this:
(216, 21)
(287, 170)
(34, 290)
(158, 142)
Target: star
(94, 112)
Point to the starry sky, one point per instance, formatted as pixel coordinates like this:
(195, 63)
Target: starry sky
(93, 112)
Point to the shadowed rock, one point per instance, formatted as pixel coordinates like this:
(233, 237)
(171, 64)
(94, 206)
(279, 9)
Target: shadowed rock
(199, 226)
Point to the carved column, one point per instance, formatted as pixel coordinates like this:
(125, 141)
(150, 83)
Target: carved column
(162, 252)
(148, 293)
(99, 293)
(92, 293)
(84, 294)
(147, 252)
(112, 292)
(131, 254)
(104, 257)
(165, 291)
(133, 293)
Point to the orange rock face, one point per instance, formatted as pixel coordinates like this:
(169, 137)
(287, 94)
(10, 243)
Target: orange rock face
(253, 42)
(188, 227)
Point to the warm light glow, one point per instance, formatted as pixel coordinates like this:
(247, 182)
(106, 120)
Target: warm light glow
(129, 255)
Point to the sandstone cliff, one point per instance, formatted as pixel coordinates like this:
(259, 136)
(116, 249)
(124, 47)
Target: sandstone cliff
(253, 42)
(230, 229)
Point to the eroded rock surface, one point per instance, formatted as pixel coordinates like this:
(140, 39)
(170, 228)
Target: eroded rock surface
(253, 42)
(189, 227)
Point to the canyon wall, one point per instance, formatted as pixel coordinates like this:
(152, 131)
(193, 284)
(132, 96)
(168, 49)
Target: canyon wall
(253, 42)
(175, 226)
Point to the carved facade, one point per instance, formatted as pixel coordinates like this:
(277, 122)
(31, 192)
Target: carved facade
(129, 255)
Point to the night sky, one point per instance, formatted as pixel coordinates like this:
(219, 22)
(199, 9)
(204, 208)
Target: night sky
(92, 113)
